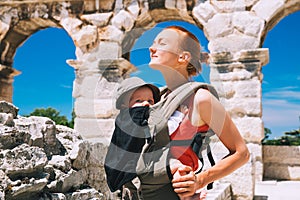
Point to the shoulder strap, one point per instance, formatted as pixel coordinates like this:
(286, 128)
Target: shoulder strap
(161, 112)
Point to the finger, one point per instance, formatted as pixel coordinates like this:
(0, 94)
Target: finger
(185, 168)
(185, 184)
(183, 178)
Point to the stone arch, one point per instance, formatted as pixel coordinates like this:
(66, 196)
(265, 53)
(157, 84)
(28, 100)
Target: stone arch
(18, 21)
(103, 30)
(274, 13)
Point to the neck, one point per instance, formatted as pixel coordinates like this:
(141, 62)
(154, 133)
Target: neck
(173, 77)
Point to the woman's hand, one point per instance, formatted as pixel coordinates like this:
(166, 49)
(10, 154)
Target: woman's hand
(184, 181)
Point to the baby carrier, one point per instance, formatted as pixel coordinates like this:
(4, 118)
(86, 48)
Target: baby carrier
(152, 163)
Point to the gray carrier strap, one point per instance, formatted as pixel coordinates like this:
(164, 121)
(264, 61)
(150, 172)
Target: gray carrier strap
(162, 111)
(153, 165)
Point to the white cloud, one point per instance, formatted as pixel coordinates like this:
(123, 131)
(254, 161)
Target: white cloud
(281, 109)
(283, 93)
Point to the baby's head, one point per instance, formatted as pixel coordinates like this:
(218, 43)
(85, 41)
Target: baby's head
(134, 92)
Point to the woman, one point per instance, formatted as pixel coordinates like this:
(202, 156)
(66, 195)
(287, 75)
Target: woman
(176, 54)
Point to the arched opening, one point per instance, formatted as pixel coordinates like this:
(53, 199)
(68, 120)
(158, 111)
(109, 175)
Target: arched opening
(140, 56)
(281, 88)
(46, 79)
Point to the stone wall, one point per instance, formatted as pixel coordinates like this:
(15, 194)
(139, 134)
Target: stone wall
(104, 32)
(281, 162)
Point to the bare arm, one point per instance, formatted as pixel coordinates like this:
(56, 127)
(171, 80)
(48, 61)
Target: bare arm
(210, 111)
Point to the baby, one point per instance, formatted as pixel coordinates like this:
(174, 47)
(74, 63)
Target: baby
(134, 97)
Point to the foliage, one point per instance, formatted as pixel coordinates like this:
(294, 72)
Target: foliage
(54, 115)
(291, 138)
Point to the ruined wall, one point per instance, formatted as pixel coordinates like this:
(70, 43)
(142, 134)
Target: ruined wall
(104, 32)
(275, 167)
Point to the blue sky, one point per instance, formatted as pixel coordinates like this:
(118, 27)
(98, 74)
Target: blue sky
(46, 79)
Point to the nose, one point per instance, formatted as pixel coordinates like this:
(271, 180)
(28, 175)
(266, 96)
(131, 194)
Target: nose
(145, 103)
(152, 49)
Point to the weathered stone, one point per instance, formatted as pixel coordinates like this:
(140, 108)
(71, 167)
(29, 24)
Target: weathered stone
(60, 162)
(86, 35)
(6, 107)
(27, 190)
(92, 128)
(11, 137)
(7, 119)
(98, 19)
(71, 25)
(23, 160)
(224, 27)
(204, 12)
(233, 43)
(111, 33)
(123, 21)
(86, 194)
(229, 7)
(266, 9)
(248, 23)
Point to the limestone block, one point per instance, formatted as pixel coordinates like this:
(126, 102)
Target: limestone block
(90, 108)
(97, 179)
(267, 9)
(228, 6)
(4, 27)
(248, 23)
(40, 10)
(86, 87)
(23, 159)
(86, 35)
(6, 107)
(98, 19)
(180, 4)
(123, 20)
(109, 50)
(101, 129)
(106, 5)
(219, 26)
(256, 152)
(134, 9)
(60, 162)
(237, 74)
(71, 24)
(251, 128)
(106, 89)
(249, 3)
(27, 190)
(281, 154)
(233, 43)
(281, 171)
(203, 12)
(86, 194)
(241, 107)
(111, 33)
(72, 179)
(246, 89)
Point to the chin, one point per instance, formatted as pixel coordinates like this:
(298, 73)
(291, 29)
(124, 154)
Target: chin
(154, 65)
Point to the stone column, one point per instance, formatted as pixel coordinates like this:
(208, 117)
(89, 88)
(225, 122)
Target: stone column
(237, 77)
(94, 93)
(6, 82)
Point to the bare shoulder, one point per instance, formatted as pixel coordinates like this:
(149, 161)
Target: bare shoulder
(203, 95)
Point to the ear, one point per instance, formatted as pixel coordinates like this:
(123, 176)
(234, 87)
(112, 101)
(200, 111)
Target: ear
(185, 56)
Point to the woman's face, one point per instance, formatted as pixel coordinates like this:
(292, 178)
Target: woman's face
(165, 49)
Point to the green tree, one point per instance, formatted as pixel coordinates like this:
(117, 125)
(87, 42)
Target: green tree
(54, 115)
